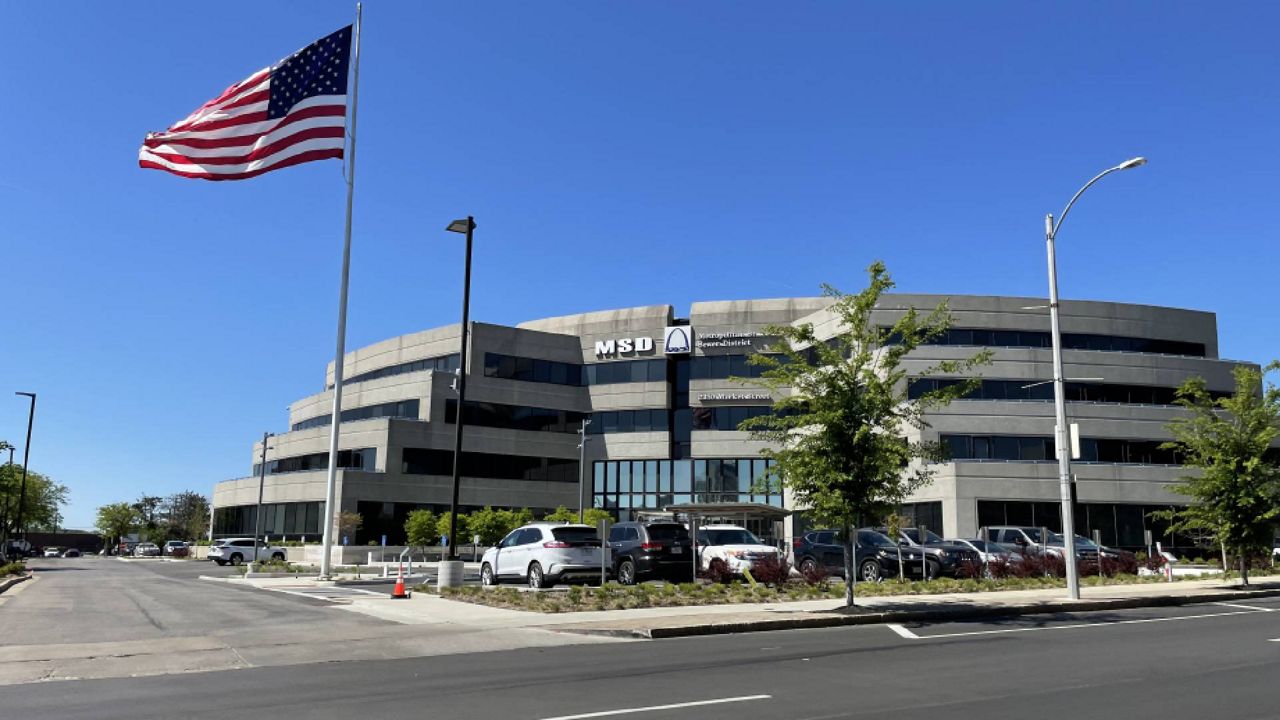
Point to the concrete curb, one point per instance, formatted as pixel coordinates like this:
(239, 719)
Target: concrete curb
(6, 584)
(826, 620)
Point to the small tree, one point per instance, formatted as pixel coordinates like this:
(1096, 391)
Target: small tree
(115, 521)
(348, 524)
(837, 433)
(442, 526)
(420, 527)
(188, 515)
(1236, 493)
(593, 516)
(491, 525)
(562, 514)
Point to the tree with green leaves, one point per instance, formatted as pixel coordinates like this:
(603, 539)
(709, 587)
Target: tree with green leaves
(562, 514)
(116, 520)
(492, 525)
(590, 516)
(443, 524)
(348, 523)
(1236, 492)
(42, 505)
(187, 515)
(420, 528)
(842, 414)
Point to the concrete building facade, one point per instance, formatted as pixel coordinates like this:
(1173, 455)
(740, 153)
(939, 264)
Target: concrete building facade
(664, 408)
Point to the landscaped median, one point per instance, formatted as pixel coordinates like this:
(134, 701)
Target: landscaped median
(612, 596)
(11, 574)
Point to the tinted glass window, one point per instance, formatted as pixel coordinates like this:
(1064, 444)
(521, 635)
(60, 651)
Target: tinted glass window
(580, 534)
(667, 532)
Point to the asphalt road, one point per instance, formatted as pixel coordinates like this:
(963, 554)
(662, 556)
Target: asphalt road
(1201, 662)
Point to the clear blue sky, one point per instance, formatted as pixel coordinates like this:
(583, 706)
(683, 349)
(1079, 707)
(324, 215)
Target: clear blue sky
(614, 154)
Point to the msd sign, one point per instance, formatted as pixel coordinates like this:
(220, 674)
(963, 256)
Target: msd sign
(676, 340)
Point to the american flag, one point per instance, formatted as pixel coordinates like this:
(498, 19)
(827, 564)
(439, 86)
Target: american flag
(290, 113)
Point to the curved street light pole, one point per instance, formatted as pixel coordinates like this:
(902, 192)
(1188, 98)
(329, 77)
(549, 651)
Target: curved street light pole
(1062, 445)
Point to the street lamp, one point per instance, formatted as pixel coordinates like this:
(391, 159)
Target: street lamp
(1059, 389)
(450, 574)
(26, 455)
(582, 469)
(262, 480)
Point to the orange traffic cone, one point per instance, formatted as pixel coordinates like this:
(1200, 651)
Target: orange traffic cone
(398, 592)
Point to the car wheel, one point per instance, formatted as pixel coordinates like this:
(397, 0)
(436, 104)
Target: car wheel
(537, 580)
(278, 557)
(237, 559)
(486, 576)
(869, 571)
(627, 572)
(932, 570)
(808, 566)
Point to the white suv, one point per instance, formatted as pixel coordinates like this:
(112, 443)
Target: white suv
(544, 553)
(237, 550)
(735, 546)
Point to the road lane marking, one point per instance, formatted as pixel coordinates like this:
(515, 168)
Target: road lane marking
(652, 708)
(903, 631)
(1245, 607)
(1079, 626)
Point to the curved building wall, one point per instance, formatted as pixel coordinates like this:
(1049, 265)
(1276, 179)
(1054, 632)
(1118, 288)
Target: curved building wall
(662, 424)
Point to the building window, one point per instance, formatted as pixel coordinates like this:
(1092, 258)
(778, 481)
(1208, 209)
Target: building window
(619, 421)
(515, 417)
(444, 363)
(658, 484)
(290, 521)
(981, 337)
(400, 409)
(426, 461)
(1030, 390)
(511, 367)
(1041, 449)
(357, 459)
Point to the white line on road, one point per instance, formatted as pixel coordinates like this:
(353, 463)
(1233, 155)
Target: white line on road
(1078, 626)
(1245, 607)
(651, 708)
(903, 631)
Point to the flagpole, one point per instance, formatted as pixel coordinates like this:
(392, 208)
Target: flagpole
(335, 424)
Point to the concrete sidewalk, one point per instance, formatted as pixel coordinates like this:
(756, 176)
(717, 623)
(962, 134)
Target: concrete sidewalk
(719, 619)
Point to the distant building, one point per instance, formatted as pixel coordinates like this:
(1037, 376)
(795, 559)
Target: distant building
(663, 416)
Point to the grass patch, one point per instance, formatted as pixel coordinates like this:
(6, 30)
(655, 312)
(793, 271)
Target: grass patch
(14, 568)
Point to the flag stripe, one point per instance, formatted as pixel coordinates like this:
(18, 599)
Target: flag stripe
(248, 128)
(259, 80)
(310, 150)
(258, 153)
(241, 146)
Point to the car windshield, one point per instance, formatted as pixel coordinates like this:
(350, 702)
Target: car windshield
(875, 539)
(575, 534)
(914, 535)
(1083, 541)
(733, 536)
(670, 531)
(1034, 534)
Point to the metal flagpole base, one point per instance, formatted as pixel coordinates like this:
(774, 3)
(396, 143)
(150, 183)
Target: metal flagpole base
(450, 574)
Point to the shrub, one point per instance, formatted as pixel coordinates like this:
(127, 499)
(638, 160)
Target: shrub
(970, 568)
(717, 572)
(14, 568)
(771, 570)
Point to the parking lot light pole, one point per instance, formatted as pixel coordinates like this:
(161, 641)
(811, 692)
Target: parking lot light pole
(1062, 444)
(582, 469)
(262, 480)
(450, 574)
(26, 456)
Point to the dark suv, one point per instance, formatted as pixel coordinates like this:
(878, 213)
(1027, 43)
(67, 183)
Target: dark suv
(944, 558)
(876, 556)
(655, 549)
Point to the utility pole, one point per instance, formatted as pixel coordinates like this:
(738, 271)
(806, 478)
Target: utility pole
(582, 469)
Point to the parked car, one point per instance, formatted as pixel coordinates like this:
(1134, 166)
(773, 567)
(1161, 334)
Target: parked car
(238, 550)
(658, 549)
(735, 546)
(71, 552)
(944, 557)
(988, 551)
(1020, 539)
(146, 549)
(52, 552)
(175, 548)
(543, 554)
(876, 556)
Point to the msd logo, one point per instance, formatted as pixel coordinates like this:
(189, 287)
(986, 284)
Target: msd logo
(623, 346)
(677, 340)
